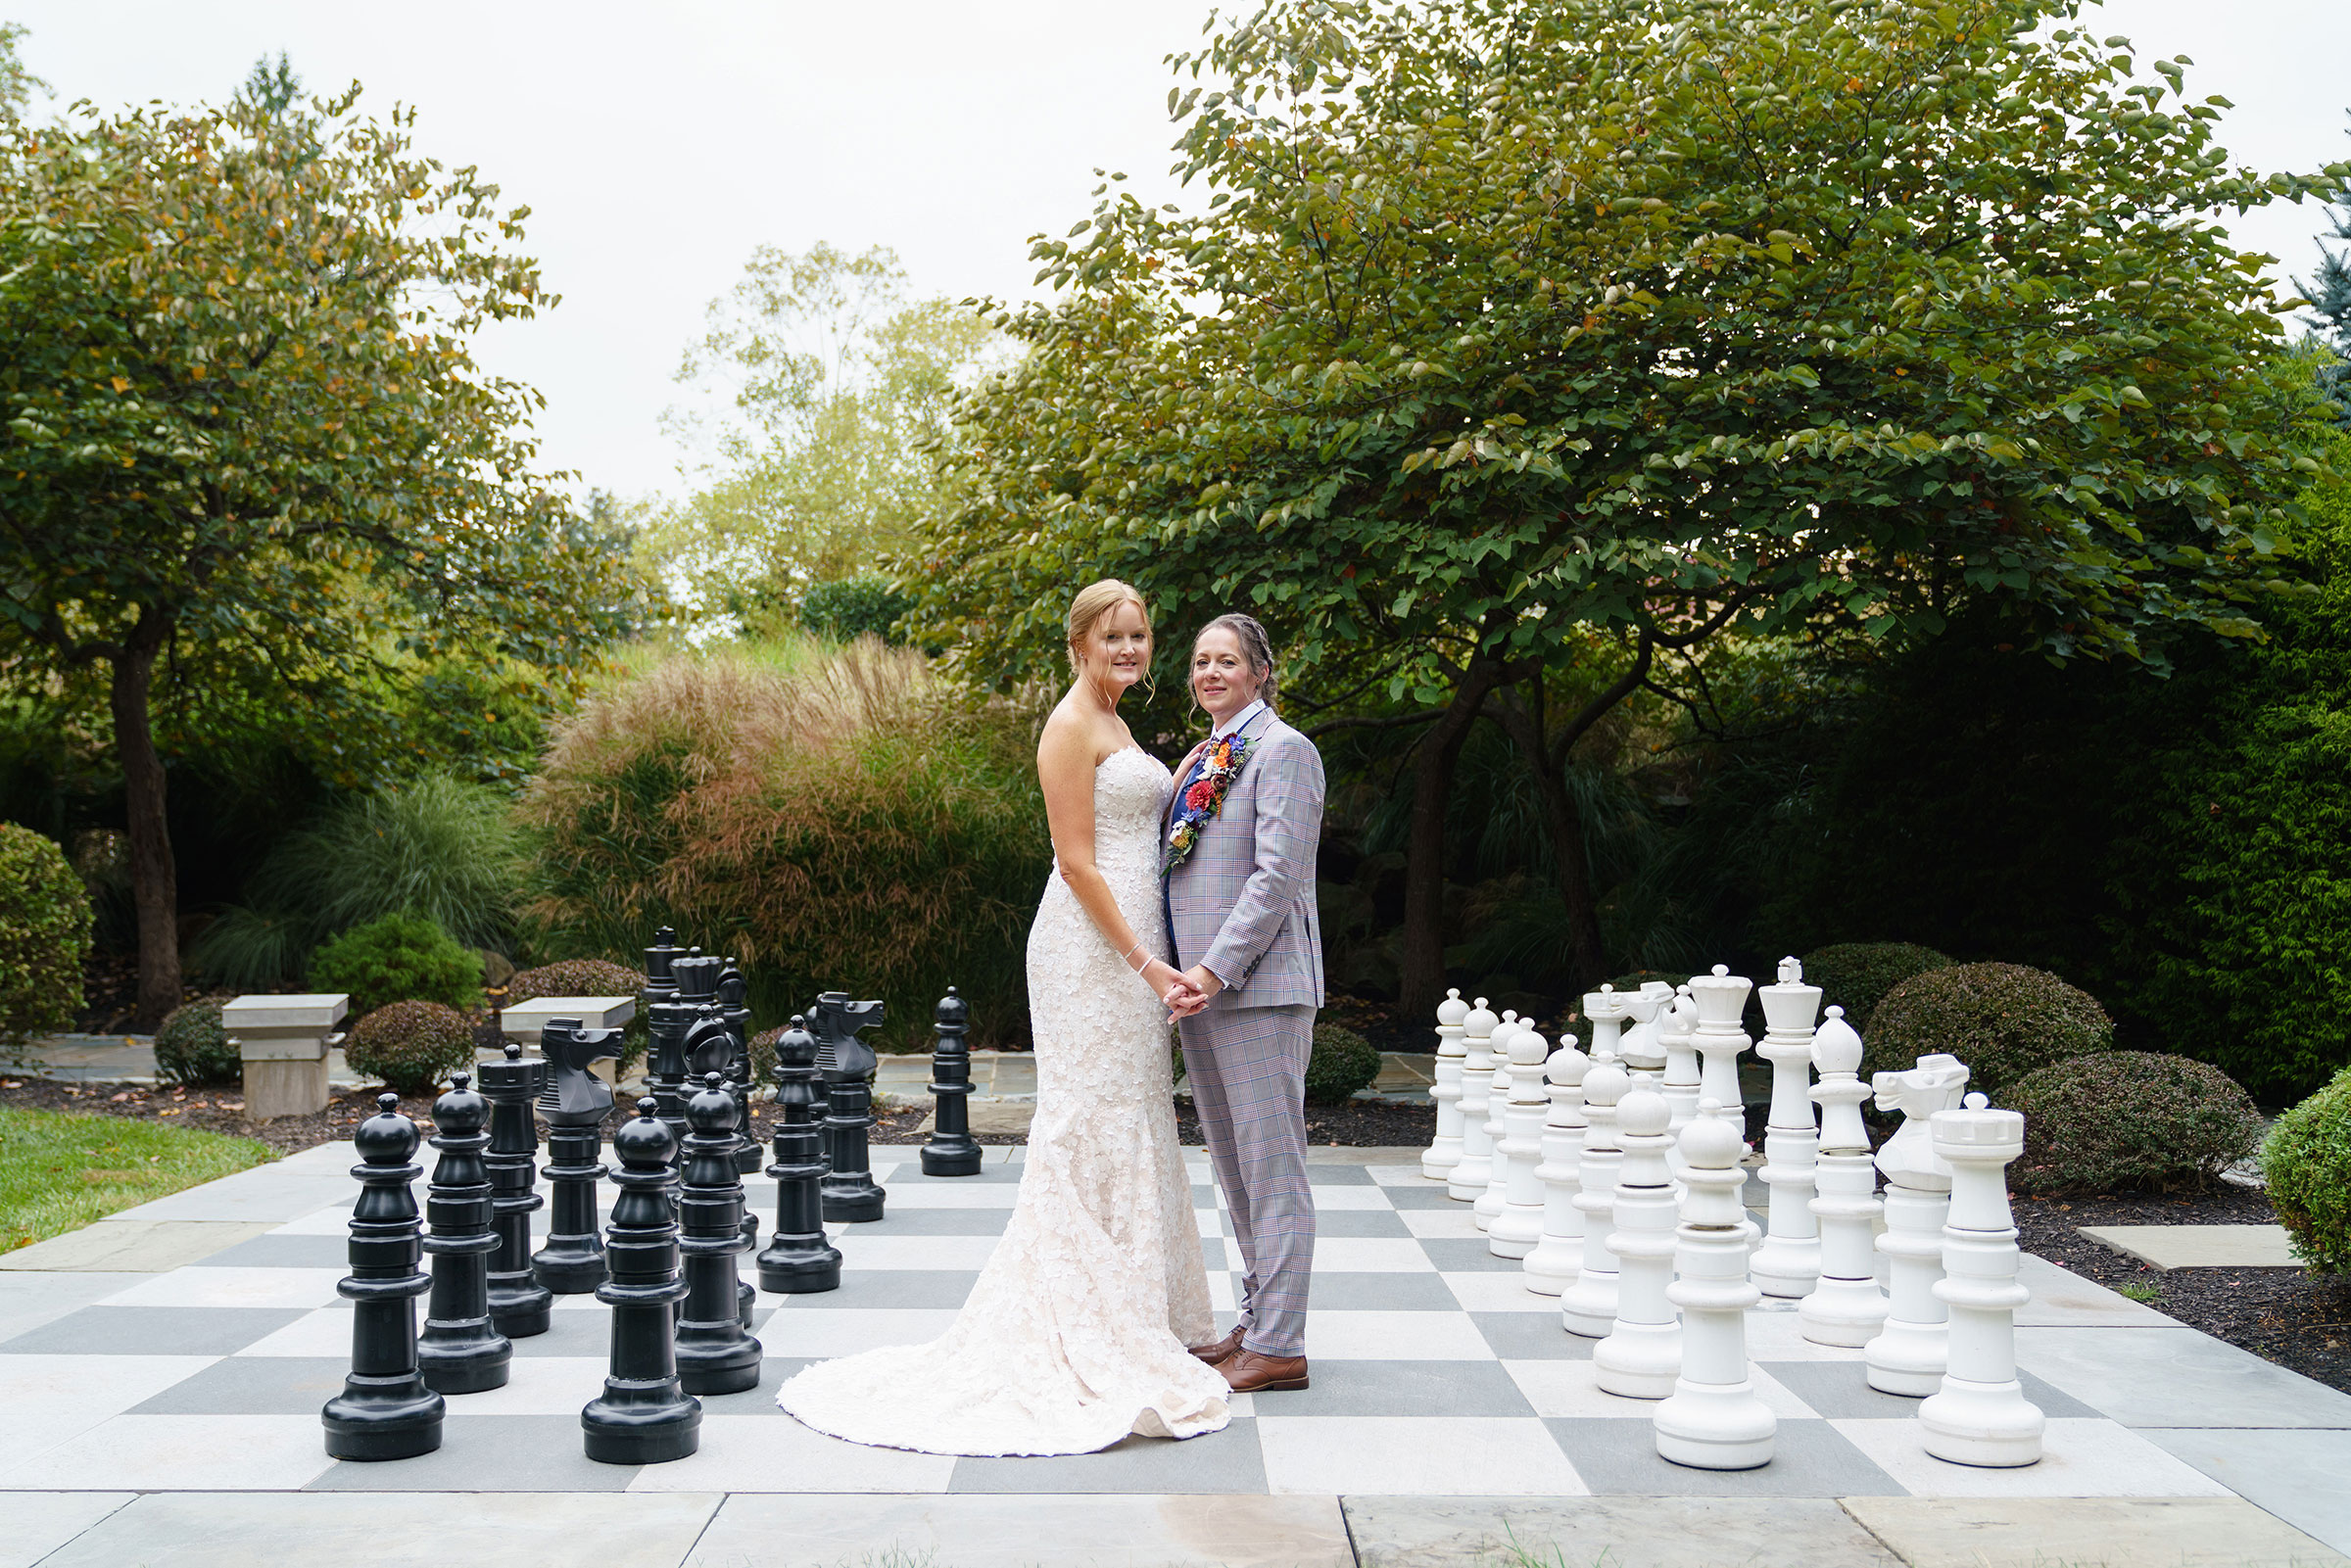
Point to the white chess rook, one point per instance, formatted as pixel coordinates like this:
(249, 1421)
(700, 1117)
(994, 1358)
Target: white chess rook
(1787, 1263)
(1588, 1308)
(1519, 1228)
(1558, 1257)
(1443, 1151)
(1467, 1181)
(1979, 1414)
(1714, 1420)
(1911, 1356)
(1846, 1308)
(1642, 1356)
(1605, 1011)
(1497, 1100)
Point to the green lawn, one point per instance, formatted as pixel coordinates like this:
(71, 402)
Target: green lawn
(59, 1172)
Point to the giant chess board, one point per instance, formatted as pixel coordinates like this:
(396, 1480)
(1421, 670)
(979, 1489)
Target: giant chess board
(1435, 1371)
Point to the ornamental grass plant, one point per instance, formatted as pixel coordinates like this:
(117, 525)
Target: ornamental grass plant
(833, 817)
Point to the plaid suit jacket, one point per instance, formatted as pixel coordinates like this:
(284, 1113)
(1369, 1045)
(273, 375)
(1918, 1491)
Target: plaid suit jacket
(1243, 900)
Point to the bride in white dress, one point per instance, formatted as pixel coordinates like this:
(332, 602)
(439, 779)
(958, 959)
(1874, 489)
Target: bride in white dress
(1076, 1333)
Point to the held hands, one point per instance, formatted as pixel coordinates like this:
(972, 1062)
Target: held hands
(1188, 992)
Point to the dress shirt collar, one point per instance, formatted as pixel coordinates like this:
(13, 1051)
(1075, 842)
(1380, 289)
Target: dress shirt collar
(1234, 725)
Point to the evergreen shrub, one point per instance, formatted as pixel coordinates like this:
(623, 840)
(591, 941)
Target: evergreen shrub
(858, 606)
(2002, 1020)
(413, 1046)
(1340, 1063)
(2129, 1121)
(400, 958)
(191, 1046)
(2307, 1162)
(1856, 975)
(44, 937)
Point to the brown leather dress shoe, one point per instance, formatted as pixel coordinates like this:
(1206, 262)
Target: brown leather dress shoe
(1221, 1352)
(1248, 1373)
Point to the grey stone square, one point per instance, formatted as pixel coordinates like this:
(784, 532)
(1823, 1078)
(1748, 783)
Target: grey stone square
(1531, 1337)
(569, 1332)
(911, 1222)
(759, 1401)
(1338, 1175)
(154, 1331)
(1212, 1254)
(1351, 1388)
(489, 1453)
(1609, 1533)
(282, 1252)
(2176, 1377)
(1838, 1389)
(1217, 1461)
(1358, 1222)
(1431, 1195)
(1618, 1454)
(934, 1289)
(252, 1385)
(1463, 1255)
(1378, 1293)
(910, 1174)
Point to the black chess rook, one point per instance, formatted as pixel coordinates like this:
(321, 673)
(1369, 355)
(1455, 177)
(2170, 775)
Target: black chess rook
(384, 1411)
(716, 1354)
(573, 1102)
(520, 1305)
(846, 1062)
(644, 1415)
(460, 1351)
(800, 1260)
(951, 1151)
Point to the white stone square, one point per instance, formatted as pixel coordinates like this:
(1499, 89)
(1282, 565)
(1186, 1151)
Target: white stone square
(1571, 1389)
(1370, 1255)
(181, 1453)
(823, 1332)
(1394, 1337)
(1499, 1291)
(1349, 1196)
(232, 1287)
(859, 1250)
(2080, 1458)
(1453, 1222)
(1424, 1456)
(50, 1399)
(773, 1452)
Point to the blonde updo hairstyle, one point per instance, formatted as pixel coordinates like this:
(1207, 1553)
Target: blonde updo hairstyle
(1094, 601)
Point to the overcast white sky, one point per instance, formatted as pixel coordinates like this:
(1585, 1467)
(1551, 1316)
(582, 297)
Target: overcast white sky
(657, 143)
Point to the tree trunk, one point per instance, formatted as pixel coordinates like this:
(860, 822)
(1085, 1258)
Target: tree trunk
(154, 877)
(1421, 980)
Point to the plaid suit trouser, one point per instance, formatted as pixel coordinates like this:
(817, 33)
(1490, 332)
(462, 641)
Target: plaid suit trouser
(1247, 1070)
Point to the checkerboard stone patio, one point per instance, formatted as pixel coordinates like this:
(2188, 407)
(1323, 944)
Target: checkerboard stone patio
(1450, 1415)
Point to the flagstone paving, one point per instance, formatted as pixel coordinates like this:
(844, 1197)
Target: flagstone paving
(1450, 1417)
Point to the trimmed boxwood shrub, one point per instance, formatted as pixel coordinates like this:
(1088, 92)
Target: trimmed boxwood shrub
(1856, 975)
(411, 1045)
(1340, 1063)
(400, 958)
(2307, 1162)
(2002, 1020)
(192, 1046)
(2129, 1121)
(44, 937)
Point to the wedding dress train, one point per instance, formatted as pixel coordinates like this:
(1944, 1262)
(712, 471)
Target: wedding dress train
(1074, 1334)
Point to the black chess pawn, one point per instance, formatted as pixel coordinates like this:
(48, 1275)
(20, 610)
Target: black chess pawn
(716, 1354)
(520, 1305)
(732, 989)
(800, 1260)
(951, 1151)
(846, 1062)
(573, 1102)
(460, 1351)
(644, 1416)
(384, 1411)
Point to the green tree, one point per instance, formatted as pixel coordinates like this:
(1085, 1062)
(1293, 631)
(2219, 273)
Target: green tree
(243, 414)
(1515, 337)
(2331, 302)
(820, 389)
(16, 84)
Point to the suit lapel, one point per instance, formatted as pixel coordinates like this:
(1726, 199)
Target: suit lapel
(1167, 816)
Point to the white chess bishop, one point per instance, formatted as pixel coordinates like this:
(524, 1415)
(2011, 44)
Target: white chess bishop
(1846, 1308)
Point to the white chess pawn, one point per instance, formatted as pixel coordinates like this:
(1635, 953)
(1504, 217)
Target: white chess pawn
(1911, 1355)
(1497, 1100)
(1979, 1414)
(1467, 1181)
(1588, 1308)
(1443, 1151)
(1846, 1308)
(1787, 1263)
(1643, 1354)
(1518, 1227)
(1714, 1420)
(1559, 1256)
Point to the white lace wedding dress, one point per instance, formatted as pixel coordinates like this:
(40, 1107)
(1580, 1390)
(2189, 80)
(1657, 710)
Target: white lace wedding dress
(1074, 1334)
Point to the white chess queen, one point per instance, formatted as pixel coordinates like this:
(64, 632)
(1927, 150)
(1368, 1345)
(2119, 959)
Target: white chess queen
(1076, 1333)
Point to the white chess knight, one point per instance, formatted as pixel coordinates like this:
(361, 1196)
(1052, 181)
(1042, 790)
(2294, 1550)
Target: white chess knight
(1559, 1256)
(1714, 1420)
(1787, 1263)
(1588, 1307)
(1642, 1052)
(1979, 1414)
(1443, 1151)
(1911, 1355)
(1846, 1308)
(1518, 1227)
(1467, 1181)
(1643, 1354)
(1497, 1100)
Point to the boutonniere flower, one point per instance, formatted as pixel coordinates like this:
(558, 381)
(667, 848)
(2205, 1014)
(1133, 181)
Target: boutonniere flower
(1202, 797)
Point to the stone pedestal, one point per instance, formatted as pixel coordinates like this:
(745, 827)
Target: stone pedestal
(1558, 1257)
(1642, 1356)
(1910, 1354)
(1467, 1181)
(1443, 1151)
(283, 1041)
(524, 1021)
(1979, 1414)
(1787, 1263)
(1588, 1307)
(1714, 1420)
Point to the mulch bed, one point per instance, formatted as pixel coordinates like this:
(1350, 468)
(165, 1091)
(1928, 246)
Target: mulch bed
(2298, 1320)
